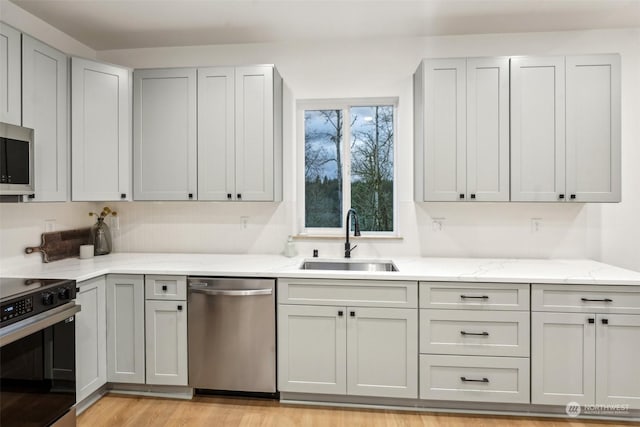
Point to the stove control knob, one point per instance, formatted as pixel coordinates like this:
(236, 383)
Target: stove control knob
(47, 298)
(63, 293)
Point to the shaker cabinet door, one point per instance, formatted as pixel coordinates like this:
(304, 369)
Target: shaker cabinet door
(255, 133)
(216, 134)
(617, 355)
(593, 128)
(125, 329)
(487, 129)
(10, 95)
(100, 131)
(537, 129)
(312, 343)
(44, 109)
(445, 142)
(166, 342)
(164, 134)
(563, 358)
(382, 352)
(91, 338)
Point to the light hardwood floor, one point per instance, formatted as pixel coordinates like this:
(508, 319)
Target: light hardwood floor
(116, 410)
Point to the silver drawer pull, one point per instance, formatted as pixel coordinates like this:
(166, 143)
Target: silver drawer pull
(233, 292)
(482, 334)
(469, 380)
(596, 300)
(474, 297)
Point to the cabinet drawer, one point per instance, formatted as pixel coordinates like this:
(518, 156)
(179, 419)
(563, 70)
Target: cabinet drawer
(474, 378)
(165, 287)
(492, 333)
(356, 293)
(585, 298)
(475, 296)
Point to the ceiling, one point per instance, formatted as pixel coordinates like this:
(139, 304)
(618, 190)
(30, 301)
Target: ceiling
(122, 24)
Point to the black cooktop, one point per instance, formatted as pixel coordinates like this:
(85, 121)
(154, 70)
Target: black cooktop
(21, 298)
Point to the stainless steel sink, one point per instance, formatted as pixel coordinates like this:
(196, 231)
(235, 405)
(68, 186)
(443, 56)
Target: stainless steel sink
(338, 265)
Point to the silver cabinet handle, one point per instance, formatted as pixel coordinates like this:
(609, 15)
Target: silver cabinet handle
(233, 292)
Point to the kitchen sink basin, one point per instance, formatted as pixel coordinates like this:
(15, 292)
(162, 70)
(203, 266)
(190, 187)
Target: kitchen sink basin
(339, 265)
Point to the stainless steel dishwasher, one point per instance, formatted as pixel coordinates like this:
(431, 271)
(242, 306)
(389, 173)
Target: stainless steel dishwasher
(232, 334)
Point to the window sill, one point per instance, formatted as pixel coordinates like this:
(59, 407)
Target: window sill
(341, 237)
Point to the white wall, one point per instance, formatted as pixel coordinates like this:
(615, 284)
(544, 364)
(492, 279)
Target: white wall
(22, 224)
(384, 68)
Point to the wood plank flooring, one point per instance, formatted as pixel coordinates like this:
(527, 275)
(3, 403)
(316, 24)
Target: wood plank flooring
(118, 410)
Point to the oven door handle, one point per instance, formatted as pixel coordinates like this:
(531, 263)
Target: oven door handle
(37, 323)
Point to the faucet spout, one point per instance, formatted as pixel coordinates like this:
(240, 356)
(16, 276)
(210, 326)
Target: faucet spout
(356, 231)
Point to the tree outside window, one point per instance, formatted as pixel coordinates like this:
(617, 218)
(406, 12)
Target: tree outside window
(358, 174)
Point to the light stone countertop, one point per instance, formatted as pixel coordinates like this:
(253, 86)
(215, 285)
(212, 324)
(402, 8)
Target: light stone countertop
(567, 271)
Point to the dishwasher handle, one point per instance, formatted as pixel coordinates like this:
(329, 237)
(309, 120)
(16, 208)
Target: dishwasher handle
(232, 292)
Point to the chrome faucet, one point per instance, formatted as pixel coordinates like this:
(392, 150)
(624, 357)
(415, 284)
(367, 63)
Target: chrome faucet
(356, 232)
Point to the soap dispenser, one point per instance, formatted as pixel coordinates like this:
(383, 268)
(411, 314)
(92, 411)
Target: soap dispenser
(290, 248)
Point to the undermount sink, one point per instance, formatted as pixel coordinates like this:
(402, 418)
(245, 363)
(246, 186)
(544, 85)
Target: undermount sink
(340, 265)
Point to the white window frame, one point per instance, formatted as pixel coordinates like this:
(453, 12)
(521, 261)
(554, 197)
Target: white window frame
(345, 105)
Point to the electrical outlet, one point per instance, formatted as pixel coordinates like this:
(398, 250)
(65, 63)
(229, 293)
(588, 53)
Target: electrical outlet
(244, 222)
(536, 224)
(437, 224)
(49, 225)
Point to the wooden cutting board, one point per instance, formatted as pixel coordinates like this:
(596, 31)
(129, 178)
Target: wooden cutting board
(58, 245)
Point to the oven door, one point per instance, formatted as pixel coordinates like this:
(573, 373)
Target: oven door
(37, 368)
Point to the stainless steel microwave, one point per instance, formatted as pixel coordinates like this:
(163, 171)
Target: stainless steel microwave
(16, 160)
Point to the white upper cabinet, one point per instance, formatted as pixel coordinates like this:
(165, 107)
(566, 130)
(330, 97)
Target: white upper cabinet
(240, 133)
(537, 129)
(565, 128)
(100, 131)
(441, 146)
(216, 134)
(258, 98)
(593, 128)
(462, 129)
(164, 138)
(488, 129)
(10, 95)
(45, 109)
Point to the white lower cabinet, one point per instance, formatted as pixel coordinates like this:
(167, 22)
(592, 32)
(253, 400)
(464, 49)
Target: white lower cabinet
(591, 356)
(474, 332)
(475, 342)
(585, 358)
(563, 358)
(166, 342)
(146, 339)
(473, 378)
(91, 340)
(360, 351)
(348, 350)
(312, 343)
(617, 354)
(125, 329)
(382, 352)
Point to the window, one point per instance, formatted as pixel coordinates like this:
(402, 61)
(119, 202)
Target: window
(348, 163)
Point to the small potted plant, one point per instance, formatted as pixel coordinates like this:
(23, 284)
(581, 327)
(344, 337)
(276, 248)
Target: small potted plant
(100, 232)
